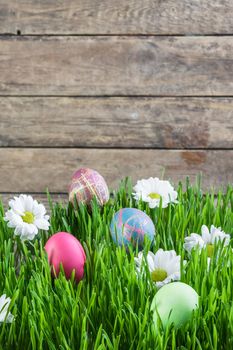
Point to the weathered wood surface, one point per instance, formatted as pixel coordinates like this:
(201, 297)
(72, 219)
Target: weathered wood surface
(116, 66)
(116, 17)
(116, 122)
(40, 197)
(89, 93)
(34, 170)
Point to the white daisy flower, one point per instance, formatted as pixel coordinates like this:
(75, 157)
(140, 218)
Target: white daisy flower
(26, 216)
(4, 306)
(152, 189)
(164, 266)
(206, 240)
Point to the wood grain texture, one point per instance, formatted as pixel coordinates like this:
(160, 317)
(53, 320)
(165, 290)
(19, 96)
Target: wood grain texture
(116, 17)
(90, 66)
(34, 170)
(116, 122)
(40, 197)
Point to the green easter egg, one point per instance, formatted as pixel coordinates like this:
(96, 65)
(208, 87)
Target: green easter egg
(174, 303)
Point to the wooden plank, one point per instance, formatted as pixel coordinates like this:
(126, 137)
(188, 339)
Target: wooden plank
(40, 197)
(116, 122)
(116, 66)
(116, 17)
(34, 170)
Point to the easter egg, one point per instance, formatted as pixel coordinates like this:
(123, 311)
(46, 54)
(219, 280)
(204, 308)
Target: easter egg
(174, 303)
(131, 226)
(87, 184)
(63, 248)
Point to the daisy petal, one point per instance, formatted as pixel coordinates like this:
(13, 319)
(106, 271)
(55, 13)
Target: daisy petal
(26, 216)
(153, 190)
(42, 224)
(163, 265)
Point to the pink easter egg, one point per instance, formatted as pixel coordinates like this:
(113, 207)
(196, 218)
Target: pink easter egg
(87, 184)
(63, 248)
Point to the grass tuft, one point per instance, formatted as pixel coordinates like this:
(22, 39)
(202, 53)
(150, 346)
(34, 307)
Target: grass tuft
(110, 307)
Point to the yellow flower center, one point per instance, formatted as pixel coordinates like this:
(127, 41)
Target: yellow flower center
(154, 195)
(158, 275)
(210, 250)
(28, 217)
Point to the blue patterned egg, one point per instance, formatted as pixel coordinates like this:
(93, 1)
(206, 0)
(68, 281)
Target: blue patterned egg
(131, 226)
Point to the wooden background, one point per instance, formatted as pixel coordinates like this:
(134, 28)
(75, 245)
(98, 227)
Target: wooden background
(137, 87)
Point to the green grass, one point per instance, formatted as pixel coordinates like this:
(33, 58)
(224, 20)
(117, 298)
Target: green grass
(110, 308)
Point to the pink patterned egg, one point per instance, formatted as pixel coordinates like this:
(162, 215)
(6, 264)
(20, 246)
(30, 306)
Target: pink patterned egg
(87, 184)
(63, 248)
